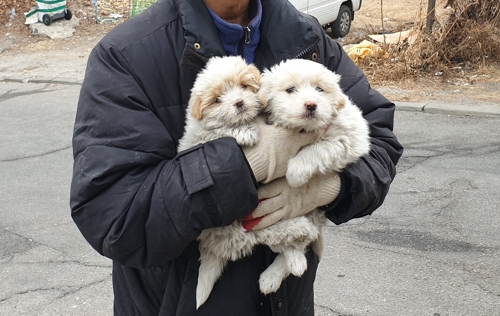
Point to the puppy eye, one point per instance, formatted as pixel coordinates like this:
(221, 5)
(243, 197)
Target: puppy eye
(319, 89)
(291, 90)
(218, 100)
(243, 86)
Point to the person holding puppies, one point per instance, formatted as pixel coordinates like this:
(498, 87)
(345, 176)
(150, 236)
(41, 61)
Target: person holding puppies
(142, 204)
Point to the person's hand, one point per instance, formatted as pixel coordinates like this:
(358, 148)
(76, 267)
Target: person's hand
(276, 145)
(280, 201)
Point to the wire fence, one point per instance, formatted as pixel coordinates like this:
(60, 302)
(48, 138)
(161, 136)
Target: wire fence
(110, 10)
(139, 6)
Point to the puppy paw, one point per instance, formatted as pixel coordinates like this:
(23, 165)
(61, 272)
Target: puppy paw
(246, 135)
(296, 176)
(269, 281)
(295, 180)
(297, 264)
(253, 135)
(297, 173)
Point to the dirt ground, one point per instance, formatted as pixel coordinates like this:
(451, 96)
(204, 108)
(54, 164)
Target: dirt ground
(481, 83)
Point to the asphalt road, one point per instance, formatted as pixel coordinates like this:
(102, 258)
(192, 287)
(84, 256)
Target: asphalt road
(431, 249)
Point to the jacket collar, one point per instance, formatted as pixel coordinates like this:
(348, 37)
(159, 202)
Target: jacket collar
(284, 34)
(202, 38)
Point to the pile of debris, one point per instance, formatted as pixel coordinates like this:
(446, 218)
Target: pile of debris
(466, 38)
(11, 9)
(471, 34)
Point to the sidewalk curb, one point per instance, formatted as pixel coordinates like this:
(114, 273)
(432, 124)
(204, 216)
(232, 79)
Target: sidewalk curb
(449, 108)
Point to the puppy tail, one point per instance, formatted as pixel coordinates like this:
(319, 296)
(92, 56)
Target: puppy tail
(210, 270)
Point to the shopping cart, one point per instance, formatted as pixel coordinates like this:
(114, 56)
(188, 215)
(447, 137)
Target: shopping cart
(48, 11)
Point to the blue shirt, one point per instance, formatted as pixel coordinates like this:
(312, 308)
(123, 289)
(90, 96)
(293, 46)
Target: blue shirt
(238, 40)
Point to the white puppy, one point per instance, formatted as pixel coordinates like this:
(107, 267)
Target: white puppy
(224, 103)
(303, 94)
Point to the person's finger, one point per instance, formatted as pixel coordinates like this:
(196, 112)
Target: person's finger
(267, 206)
(270, 219)
(272, 189)
(249, 224)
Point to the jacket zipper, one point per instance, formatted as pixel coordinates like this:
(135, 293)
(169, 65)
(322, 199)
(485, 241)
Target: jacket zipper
(247, 35)
(308, 49)
(247, 40)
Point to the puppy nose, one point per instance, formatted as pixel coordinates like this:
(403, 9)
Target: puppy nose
(239, 104)
(310, 106)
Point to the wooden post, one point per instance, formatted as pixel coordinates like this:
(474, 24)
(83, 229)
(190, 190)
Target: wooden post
(431, 15)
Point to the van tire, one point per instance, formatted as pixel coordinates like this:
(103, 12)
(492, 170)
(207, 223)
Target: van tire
(342, 25)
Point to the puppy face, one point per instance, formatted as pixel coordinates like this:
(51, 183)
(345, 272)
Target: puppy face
(301, 94)
(225, 92)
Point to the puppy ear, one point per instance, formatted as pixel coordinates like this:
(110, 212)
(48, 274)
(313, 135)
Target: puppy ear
(342, 102)
(264, 93)
(255, 72)
(197, 108)
(263, 96)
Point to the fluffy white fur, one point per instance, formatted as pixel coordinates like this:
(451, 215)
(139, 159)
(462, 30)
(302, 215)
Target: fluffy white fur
(223, 103)
(215, 110)
(303, 94)
(288, 238)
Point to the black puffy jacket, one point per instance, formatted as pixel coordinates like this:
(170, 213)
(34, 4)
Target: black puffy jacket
(138, 202)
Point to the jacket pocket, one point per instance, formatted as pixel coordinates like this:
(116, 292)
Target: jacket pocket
(195, 169)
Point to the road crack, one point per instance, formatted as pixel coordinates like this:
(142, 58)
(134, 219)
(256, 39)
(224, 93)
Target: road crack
(37, 155)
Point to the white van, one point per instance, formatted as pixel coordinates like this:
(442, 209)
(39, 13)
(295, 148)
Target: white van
(336, 14)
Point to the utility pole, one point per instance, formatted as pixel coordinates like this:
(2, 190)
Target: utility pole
(431, 15)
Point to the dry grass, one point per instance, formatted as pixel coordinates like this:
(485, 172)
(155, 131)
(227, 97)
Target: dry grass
(465, 41)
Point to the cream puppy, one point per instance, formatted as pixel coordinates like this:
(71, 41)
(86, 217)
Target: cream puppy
(224, 103)
(304, 94)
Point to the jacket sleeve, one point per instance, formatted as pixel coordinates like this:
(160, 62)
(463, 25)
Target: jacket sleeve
(365, 183)
(133, 197)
